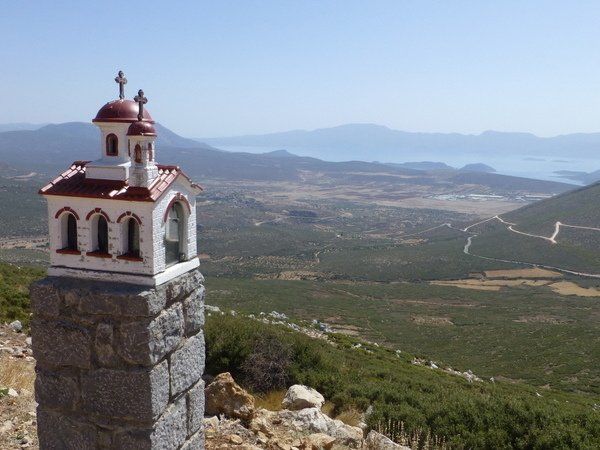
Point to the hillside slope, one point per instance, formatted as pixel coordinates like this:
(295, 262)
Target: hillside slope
(394, 386)
(563, 231)
(358, 376)
(578, 207)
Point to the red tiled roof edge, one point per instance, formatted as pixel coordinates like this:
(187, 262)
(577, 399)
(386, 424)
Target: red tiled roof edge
(77, 166)
(74, 184)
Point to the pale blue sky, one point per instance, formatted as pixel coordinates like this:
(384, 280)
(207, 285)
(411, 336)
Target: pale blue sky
(232, 67)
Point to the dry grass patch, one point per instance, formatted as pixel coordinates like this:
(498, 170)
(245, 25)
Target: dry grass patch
(429, 320)
(490, 285)
(17, 414)
(16, 373)
(570, 288)
(522, 273)
(350, 416)
(270, 401)
(465, 285)
(412, 241)
(349, 330)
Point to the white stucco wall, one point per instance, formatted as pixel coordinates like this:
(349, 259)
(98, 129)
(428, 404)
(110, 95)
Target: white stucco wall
(159, 223)
(111, 167)
(152, 232)
(117, 235)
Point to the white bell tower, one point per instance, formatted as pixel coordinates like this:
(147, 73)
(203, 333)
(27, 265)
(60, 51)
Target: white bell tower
(123, 215)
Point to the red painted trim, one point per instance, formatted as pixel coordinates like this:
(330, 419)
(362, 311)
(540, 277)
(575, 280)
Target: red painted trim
(129, 214)
(66, 209)
(68, 251)
(97, 211)
(178, 198)
(130, 258)
(97, 254)
(73, 194)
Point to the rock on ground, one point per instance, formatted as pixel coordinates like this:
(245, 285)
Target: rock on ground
(225, 396)
(16, 326)
(305, 428)
(377, 441)
(318, 441)
(314, 420)
(300, 397)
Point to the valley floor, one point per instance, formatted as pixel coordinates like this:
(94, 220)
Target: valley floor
(530, 325)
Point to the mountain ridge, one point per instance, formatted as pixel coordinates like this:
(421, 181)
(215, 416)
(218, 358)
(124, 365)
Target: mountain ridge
(52, 148)
(391, 145)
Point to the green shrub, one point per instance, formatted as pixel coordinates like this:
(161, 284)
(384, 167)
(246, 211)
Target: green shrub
(267, 367)
(14, 292)
(426, 402)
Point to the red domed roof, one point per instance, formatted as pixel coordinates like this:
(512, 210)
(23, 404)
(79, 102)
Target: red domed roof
(121, 111)
(140, 128)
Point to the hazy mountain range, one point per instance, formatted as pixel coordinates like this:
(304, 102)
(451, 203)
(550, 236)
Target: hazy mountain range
(582, 177)
(51, 147)
(19, 126)
(50, 150)
(376, 142)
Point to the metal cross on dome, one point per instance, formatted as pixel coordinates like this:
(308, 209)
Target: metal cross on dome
(141, 101)
(122, 82)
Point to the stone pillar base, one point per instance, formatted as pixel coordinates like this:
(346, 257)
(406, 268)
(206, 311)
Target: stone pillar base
(119, 366)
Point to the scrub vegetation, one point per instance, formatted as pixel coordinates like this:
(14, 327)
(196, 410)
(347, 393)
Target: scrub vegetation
(462, 414)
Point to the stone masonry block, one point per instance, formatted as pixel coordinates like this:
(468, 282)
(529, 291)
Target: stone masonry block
(193, 308)
(103, 345)
(195, 407)
(57, 431)
(147, 343)
(61, 343)
(187, 364)
(134, 439)
(97, 297)
(195, 442)
(54, 390)
(119, 365)
(71, 299)
(169, 433)
(171, 429)
(120, 299)
(137, 394)
(45, 299)
(131, 300)
(182, 286)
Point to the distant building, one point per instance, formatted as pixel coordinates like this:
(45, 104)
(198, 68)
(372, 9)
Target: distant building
(123, 217)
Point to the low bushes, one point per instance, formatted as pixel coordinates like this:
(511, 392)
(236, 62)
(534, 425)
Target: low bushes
(422, 400)
(14, 294)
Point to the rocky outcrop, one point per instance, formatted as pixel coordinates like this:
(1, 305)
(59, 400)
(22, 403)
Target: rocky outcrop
(302, 426)
(377, 441)
(315, 421)
(225, 396)
(300, 397)
(318, 441)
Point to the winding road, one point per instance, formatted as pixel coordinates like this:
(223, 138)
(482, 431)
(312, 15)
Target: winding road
(551, 239)
(510, 226)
